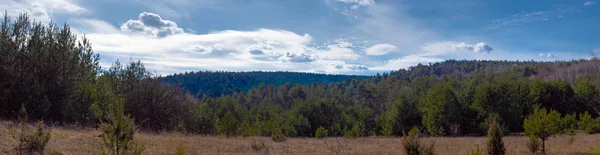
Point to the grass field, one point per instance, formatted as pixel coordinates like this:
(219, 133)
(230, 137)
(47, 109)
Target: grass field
(86, 141)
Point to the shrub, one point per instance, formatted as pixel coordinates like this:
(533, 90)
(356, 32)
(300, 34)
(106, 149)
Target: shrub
(476, 151)
(277, 136)
(321, 132)
(180, 150)
(533, 145)
(32, 140)
(495, 145)
(413, 146)
(352, 133)
(588, 124)
(411, 142)
(257, 145)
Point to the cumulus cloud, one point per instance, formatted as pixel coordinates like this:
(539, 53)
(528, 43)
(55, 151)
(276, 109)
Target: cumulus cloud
(588, 3)
(380, 49)
(40, 10)
(261, 49)
(445, 47)
(151, 24)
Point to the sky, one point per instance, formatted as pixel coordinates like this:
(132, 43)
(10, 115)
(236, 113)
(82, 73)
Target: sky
(361, 37)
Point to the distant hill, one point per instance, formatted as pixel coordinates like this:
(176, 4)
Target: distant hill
(219, 83)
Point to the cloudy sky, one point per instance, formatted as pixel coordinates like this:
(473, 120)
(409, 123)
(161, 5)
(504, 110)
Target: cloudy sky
(324, 36)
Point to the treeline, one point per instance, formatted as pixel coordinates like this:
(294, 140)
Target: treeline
(390, 104)
(50, 74)
(53, 76)
(217, 83)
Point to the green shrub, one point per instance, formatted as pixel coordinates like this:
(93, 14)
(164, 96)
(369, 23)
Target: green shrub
(495, 145)
(32, 140)
(588, 124)
(257, 145)
(180, 150)
(321, 132)
(533, 145)
(277, 136)
(352, 133)
(476, 151)
(412, 144)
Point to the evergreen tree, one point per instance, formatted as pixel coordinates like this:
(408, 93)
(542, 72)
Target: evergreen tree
(495, 145)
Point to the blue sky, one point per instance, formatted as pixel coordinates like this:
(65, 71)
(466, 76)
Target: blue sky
(324, 36)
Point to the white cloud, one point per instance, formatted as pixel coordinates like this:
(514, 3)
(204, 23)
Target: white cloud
(446, 47)
(151, 24)
(588, 3)
(523, 18)
(405, 62)
(40, 10)
(357, 2)
(547, 55)
(380, 49)
(262, 49)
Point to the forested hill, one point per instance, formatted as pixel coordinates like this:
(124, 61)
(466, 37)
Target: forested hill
(219, 83)
(215, 84)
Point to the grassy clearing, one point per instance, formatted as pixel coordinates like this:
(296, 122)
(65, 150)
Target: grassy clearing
(86, 141)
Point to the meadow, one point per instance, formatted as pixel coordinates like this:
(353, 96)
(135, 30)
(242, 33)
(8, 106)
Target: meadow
(73, 140)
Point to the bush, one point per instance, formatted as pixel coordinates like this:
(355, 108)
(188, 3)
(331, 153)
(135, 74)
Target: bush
(533, 145)
(257, 145)
(352, 133)
(412, 144)
(32, 140)
(588, 124)
(321, 132)
(495, 145)
(277, 136)
(180, 150)
(477, 151)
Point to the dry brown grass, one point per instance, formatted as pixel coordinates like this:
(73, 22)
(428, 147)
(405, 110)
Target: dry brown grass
(85, 141)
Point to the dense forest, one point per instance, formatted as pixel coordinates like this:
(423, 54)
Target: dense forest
(219, 83)
(50, 74)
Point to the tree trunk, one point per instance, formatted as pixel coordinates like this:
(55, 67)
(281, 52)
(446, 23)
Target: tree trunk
(543, 146)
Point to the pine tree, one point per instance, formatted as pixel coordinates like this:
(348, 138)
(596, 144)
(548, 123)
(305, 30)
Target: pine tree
(118, 130)
(495, 145)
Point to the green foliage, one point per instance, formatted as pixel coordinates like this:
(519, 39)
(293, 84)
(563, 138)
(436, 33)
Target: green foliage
(533, 145)
(352, 132)
(278, 136)
(412, 144)
(476, 151)
(495, 145)
(542, 124)
(180, 150)
(321, 132)
(117, 131)
(32, 140)
(588, 124)
(440, 109)
(228, 125)
(258, 146)
(587, 92)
